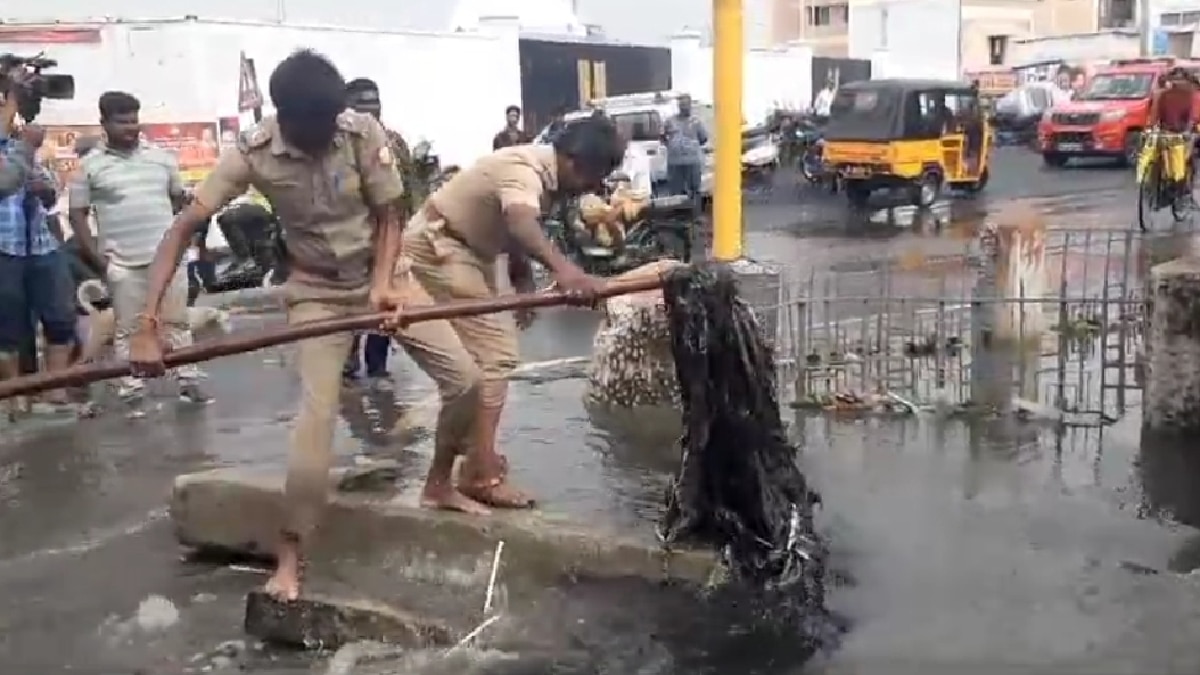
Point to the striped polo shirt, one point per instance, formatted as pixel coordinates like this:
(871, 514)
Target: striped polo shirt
(130, 193)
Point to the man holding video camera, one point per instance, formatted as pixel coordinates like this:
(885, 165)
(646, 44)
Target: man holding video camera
(35, 280)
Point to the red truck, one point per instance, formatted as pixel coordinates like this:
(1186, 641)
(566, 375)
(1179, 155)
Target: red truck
(1108, 116)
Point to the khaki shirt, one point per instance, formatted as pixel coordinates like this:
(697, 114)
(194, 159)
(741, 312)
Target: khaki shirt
(472, 204)
(324, 204)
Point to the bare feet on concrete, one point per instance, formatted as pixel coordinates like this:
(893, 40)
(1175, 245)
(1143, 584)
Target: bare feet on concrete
(284, 584)
(442, 496)
(490, 485)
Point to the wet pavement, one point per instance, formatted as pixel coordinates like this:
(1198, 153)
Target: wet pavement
(993, 547)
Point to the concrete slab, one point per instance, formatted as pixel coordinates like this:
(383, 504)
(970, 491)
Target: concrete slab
(328, 623)
(237, 510)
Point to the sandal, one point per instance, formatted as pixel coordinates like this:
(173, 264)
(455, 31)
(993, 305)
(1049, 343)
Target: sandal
(496, 491)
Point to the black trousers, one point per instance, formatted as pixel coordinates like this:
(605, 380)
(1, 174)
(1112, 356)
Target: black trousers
(27, 355)
(374, 355)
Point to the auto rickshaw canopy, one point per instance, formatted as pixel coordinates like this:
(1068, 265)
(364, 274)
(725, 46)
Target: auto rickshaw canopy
(886, 110)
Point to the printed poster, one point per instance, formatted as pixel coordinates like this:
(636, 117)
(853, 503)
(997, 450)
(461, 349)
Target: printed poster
(229, 127)
(58, 150)
(195, 144)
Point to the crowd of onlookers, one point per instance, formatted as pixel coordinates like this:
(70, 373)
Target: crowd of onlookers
(123, 188)
(126, 191)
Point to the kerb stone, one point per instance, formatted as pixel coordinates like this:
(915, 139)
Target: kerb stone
(236, 510)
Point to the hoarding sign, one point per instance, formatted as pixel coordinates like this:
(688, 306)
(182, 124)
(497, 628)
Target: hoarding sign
(195, 144)
(249, 95)
(51, 34)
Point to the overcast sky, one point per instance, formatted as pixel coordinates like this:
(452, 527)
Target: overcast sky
(626, 20)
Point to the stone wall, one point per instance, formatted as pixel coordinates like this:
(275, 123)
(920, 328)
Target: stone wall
(1171, 402)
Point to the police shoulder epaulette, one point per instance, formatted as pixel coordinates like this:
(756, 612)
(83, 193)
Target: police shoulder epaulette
(254, 137)
(353, 122)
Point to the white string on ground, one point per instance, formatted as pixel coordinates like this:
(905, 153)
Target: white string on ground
(491, 588)
(470, 637)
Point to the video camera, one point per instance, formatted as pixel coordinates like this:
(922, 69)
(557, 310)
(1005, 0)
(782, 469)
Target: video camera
(34, 85)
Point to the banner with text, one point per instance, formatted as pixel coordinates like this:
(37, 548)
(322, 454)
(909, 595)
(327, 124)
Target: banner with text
(195, 144)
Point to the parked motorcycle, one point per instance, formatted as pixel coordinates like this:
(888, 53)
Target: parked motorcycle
(810, 141)
(760, 160)
(257, 254)
(427, 170)
(1015, 115)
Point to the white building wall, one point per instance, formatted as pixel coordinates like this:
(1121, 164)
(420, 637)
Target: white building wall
(187, 71)
(906, 38)
(771, 78)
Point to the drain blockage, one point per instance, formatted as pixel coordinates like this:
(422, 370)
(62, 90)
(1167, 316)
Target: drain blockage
(738, 488)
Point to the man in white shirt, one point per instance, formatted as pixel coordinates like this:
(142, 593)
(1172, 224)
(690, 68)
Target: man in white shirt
(636, 167)
(824, 101)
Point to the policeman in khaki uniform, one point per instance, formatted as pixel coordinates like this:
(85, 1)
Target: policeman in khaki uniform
(333, 181)
(454, 240)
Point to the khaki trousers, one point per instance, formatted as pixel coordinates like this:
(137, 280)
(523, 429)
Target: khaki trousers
(432, 345)
(449, 271)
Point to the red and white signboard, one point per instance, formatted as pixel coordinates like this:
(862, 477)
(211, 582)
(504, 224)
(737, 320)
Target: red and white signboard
(249, 95)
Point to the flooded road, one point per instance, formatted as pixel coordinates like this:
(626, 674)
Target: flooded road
(993, 547)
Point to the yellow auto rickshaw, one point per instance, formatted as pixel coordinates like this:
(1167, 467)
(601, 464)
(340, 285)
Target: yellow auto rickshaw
(920, 136)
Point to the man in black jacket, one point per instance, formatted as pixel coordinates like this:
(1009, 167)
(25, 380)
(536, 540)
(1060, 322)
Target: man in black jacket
(512, 133)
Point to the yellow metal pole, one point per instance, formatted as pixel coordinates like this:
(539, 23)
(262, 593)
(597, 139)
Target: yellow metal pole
(727, 99)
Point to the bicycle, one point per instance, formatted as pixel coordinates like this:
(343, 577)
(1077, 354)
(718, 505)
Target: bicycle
(1155, 192)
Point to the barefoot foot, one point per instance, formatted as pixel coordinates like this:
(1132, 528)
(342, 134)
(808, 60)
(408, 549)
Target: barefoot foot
(488, 484)
(284, 584)
(446, 498)
(499, 495)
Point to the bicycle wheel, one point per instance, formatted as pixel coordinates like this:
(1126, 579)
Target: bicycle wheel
(1150, 189)
(1184, 200)
(1147, 196)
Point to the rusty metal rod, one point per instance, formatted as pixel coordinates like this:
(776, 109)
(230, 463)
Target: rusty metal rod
(237, 344)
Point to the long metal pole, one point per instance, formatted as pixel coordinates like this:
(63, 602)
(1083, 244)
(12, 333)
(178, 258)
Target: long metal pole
(727, 99)
(958, 51)
(1144, 23)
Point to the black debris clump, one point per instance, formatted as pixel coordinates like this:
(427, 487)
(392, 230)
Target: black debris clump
(738, 488)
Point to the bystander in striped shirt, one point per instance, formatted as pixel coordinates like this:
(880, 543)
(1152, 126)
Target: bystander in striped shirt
(130, 194)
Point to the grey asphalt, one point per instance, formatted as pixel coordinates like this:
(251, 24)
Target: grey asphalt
(988, 548)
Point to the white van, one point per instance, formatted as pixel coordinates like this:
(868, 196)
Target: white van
(641, 118)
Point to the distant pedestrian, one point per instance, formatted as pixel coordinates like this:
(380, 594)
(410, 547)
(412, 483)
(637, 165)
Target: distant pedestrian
(685, 137)
(823, 102)
(512, 133)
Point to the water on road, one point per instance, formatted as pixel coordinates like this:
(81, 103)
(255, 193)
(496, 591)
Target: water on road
(989, 547)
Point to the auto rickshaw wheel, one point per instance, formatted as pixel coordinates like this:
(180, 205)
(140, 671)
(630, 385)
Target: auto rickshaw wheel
(977, 186)
(927, 189)
(857, 192)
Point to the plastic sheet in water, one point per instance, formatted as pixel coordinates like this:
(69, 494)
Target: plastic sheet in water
(738, 488)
